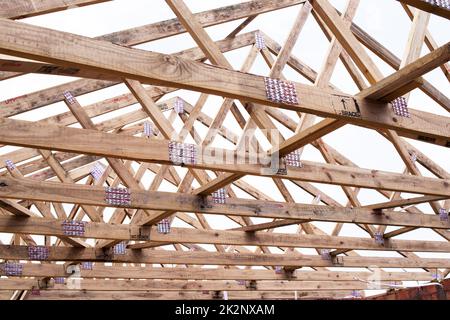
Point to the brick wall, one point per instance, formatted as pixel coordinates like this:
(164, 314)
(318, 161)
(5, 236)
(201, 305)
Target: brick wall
(429, 292)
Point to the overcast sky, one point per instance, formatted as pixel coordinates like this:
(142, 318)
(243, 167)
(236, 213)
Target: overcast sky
(385, 20)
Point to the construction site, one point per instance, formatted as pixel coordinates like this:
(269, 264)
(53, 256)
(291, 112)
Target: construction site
(224, 150)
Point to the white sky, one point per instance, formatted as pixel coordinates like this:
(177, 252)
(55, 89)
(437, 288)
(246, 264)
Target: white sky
(385, 20)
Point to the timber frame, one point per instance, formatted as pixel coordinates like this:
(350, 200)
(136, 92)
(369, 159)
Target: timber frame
(87, 199)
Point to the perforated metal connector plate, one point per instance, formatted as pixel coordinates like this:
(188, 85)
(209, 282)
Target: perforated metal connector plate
(293, 159)
(69, 97)
(260, 43)
(10, 165)
(440, 3)
(436, 277)
(182, 153)
(178, 106)
(280, 91)
(379, 238)
(38, 253)
(443, 214)
(400, 107)
(87, 265)
(148, 129)
(325, 255)
(278, 270)
(163, 226)
(219, 196)
(12, 269)
(118, 196)
(120, 248)
(356, 294)
(73, 228)
(59, 280)
(97, 171)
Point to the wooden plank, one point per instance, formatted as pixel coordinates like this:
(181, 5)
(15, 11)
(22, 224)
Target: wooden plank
(177, 273)
(402, 202)
(23, 133)
(11, 224)
(41, 98)
(16, 208)
(162, 69)
(183, 285)
(158, 200)
(187, 295)
(217, 258)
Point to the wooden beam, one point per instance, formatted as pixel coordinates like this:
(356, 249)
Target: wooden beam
(20, 66)
(429, 7)
(38, 226)
(183, 285)
(338, 27)
(187, 295)
(134, 272)
(41, 98)
(158, 200)
(293, 260)
(402, 202)
(23, 133)
(162, 69)
(16, 208)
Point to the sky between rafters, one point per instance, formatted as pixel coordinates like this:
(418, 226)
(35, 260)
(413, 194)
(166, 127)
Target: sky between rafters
(383, 19)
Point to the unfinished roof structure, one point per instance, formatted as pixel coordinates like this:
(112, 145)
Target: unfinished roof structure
(210, 172)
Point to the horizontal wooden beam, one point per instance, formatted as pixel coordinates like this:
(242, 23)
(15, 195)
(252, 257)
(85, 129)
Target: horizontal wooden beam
(158, 200)
(41, 98)
(12, 224)
(160, 69)
(294, 260)
(36, 135)
(183, 295)
(133, 272)
(183, 285)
